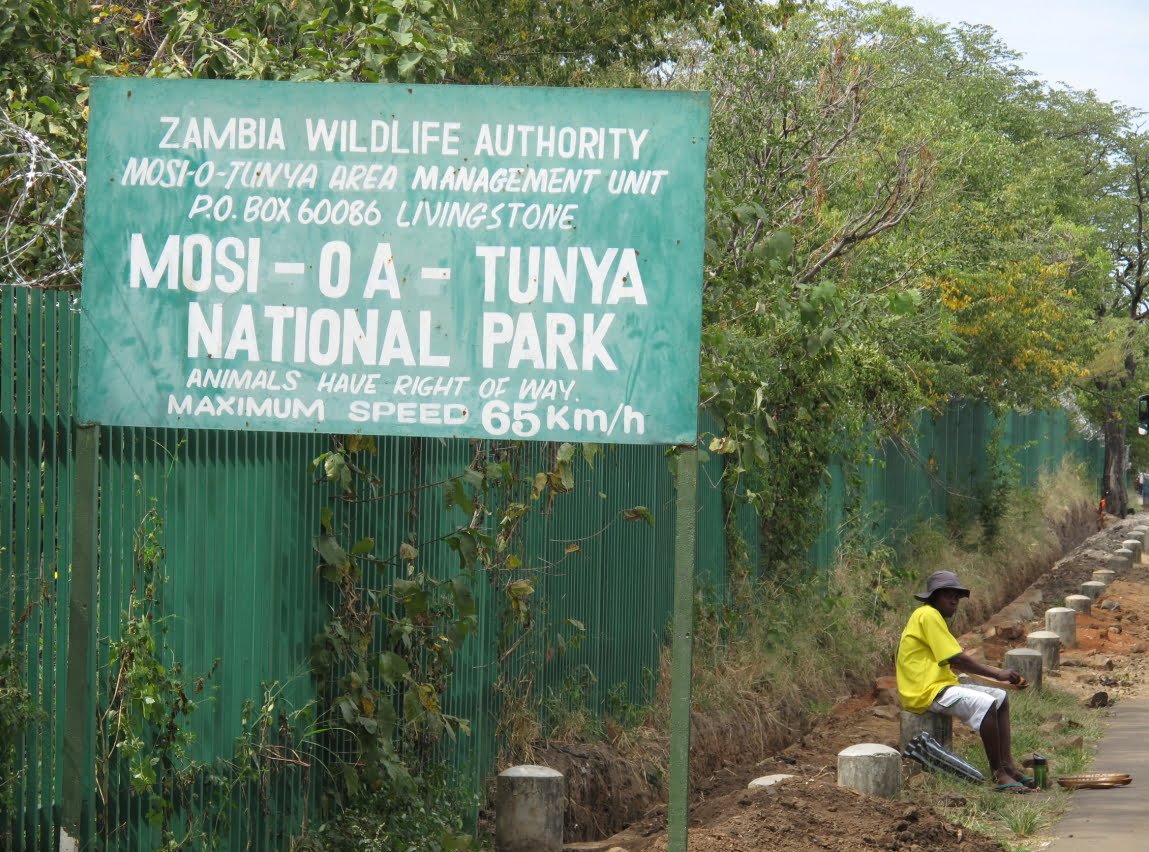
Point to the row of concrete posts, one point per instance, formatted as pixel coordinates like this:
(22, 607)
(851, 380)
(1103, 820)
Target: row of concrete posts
(530, 801)
(876, 769)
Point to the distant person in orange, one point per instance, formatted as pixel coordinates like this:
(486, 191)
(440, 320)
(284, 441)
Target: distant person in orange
(929, 656)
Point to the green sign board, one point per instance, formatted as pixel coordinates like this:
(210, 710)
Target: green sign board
(386, 259)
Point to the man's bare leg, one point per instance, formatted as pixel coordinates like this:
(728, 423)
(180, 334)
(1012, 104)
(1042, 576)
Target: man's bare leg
(991, 738)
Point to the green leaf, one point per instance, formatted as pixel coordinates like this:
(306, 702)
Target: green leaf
(464, 543)
(638, 513)
(589, 451)
(332, 553)
(411, 594)
(363, 546)
(413, 709)
(464, 596)
(408, 62)
(408, 553)
(780, 246)
(351, 779)
(392, 668)
(456, 495)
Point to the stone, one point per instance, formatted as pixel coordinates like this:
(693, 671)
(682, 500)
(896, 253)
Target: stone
(530, 802)
(1111, 605)
(1010, 631)
(886, 691)
(871, 768)
(1098, 699)
(767, 781)
(885, 711)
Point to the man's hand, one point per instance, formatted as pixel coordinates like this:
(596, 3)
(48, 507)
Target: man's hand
(1012, 675)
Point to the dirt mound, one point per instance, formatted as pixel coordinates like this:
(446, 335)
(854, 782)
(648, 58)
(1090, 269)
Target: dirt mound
(1075, 568)
(603, 793)
(813, 814)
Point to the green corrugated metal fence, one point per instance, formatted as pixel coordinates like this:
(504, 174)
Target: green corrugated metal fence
(240, 512)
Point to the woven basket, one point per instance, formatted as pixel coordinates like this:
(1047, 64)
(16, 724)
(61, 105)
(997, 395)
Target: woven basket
(1095, 780)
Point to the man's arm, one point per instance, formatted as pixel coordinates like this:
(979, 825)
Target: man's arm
(967, 664)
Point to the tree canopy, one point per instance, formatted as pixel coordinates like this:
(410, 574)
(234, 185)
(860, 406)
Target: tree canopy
(899, 215)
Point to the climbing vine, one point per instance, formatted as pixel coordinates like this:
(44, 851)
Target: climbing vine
(144, 729)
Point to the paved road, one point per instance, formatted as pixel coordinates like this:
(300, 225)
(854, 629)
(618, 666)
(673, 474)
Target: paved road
(1113, 820)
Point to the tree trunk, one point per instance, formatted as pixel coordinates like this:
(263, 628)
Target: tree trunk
(1113, 489)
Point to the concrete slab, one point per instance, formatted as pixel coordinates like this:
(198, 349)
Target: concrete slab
(1113, 820)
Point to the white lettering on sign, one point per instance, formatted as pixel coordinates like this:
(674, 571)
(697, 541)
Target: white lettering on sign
(559, 340)
(478, 214)
(234, 133)
(280, 408)
(197, 263)
(383, 137)
(584, 143)
(614, 273)
(482, 179)
(322, 337)
(230, 379)
(431, 413)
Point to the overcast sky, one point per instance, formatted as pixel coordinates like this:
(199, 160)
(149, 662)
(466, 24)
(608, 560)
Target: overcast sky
(1086, 44)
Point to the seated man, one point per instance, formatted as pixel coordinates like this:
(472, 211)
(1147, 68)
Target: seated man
(928, 656)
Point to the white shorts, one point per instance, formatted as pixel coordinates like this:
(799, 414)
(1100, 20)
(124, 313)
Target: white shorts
(969, 702)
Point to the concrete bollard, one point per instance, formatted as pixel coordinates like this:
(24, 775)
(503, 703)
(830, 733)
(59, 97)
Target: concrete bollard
(1135, 545)
(1049, 644)
(1103, 575)
(871, 768)
(1027, 663)
(1079, 603)
(1093, 588)
(1128, 554)
(1142, 534)
(767, 781)
(1062, 621)
(530, 802)
(937, 725)
(1117, 563)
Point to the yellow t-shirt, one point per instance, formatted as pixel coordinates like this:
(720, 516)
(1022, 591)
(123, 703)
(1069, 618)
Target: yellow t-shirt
(923, 659)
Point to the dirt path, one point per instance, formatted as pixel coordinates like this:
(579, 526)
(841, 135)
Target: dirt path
(811, 812)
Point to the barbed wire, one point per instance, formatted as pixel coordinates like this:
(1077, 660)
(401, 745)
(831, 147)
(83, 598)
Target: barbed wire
(40, 217)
